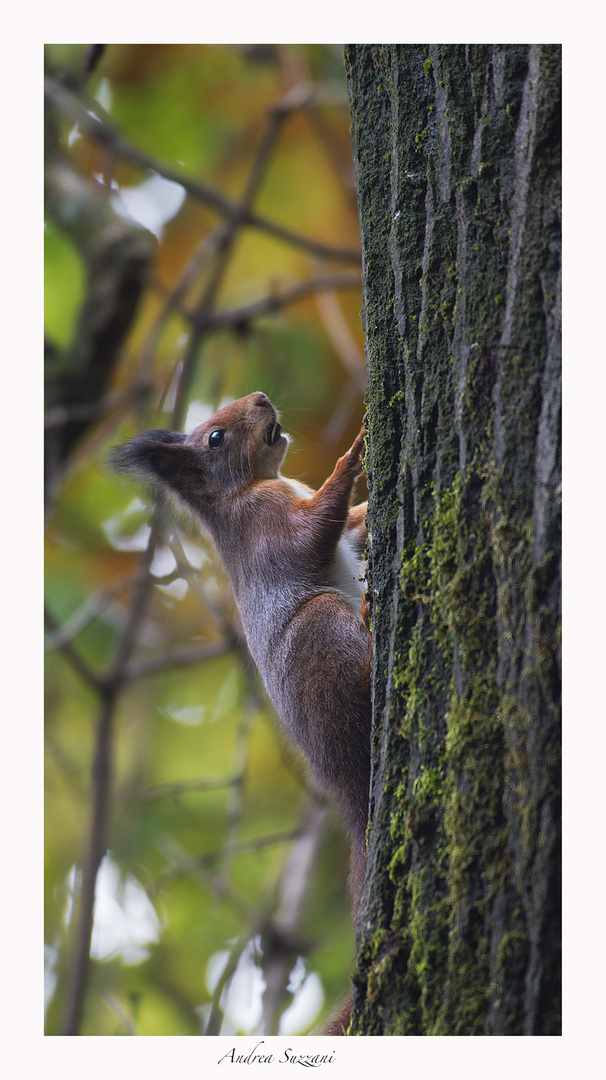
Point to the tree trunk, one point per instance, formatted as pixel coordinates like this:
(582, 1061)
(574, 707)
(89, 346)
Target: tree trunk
(457, 152)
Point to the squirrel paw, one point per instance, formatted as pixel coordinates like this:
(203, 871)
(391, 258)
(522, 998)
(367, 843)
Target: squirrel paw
(356, 454)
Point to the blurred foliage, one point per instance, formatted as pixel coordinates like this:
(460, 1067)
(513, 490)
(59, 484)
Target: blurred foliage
(206, 801)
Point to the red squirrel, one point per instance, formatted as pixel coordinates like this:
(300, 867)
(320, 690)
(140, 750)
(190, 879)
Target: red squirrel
(293, 556)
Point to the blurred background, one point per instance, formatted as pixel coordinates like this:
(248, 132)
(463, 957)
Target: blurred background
(201, 242)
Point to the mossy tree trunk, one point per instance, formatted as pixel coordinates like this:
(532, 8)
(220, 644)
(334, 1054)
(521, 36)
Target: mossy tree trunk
(457, 152)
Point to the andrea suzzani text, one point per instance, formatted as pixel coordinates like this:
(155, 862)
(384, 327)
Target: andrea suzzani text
(257, 1056)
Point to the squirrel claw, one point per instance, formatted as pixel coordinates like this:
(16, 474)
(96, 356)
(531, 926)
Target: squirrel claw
(358, 451)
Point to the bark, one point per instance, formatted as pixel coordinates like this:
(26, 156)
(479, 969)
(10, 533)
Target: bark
(457, 153)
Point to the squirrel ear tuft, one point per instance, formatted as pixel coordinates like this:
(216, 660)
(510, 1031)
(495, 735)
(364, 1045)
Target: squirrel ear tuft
(157, 455)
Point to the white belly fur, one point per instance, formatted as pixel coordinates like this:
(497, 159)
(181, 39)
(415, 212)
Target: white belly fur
(346, 572)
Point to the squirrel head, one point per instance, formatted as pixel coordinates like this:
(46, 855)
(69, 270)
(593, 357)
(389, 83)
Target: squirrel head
(240, 445)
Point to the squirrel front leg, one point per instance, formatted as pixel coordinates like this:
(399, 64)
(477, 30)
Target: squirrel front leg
(326, 513)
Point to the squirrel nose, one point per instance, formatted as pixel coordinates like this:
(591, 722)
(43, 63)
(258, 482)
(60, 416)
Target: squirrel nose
(260, 399)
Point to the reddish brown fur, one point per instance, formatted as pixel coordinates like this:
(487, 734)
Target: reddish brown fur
(291, 555)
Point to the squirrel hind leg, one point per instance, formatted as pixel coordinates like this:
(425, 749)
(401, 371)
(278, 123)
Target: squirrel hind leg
(355, 527)
(366, 618)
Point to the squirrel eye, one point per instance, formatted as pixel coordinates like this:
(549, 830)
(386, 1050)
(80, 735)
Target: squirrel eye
(216, 438)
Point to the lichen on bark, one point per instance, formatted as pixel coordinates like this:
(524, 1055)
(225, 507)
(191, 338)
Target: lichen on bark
(457, 156)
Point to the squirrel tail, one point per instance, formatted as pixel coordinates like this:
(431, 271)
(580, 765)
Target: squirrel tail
(338, 1022)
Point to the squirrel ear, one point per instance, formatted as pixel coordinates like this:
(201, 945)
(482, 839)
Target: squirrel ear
(159, 456)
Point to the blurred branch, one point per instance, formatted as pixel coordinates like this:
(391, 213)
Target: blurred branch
(184, 787)
(117, 257)
(351, 357)
(108, 686)
(231, 631)
(139, 669)
(243, 908)
(60, 415)
(91, 60)
(235, 803)
(239, 317)
(340, 158)
(94, 122)
(339, 332)
(227, 235)
(109, 690)
(60, 635)
(215, 1019)
(174, 300)
(64, 645)
(125, 1020)
(295, 69)
(244, 847)
(281, 940)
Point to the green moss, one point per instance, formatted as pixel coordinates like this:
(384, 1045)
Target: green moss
(451, 803)
(429, 786)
